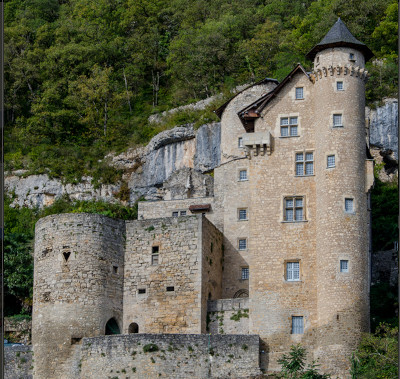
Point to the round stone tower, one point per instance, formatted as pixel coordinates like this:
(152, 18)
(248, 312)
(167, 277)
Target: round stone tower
(78, 278)
(342, 210)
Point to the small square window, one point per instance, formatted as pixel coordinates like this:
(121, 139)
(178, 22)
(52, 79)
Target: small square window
(175, 214)
(292, 271)
(154, 255)
(339, 86)
(141, 291)
(240, 142)
(299, 93)
(245, 273)
(337, 120)
(344, 266)
(242, 214)
(330, 161)
(351, 57)
(183, 213)
(349, 205)
(242, 175)
(297, 325)
(243, 244)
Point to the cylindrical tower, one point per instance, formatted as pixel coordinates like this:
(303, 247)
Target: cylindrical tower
(342, 215)
(78, 278)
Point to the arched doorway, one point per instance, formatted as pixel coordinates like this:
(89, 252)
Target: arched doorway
(133, 328)
(112, 327)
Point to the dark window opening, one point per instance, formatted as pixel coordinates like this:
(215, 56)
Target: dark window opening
(142, 290)
(76, 340)
(154, 255)
(112, 327)
(170, 289)
(133, 328)
(115, 269)
(66, 256)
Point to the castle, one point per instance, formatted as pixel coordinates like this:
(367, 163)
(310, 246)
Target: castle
(283, 244)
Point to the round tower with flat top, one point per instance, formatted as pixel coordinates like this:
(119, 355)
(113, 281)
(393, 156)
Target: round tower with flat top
(342, 216)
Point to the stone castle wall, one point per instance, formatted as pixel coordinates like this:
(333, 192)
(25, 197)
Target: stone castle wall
(18, 362)
(174, 356)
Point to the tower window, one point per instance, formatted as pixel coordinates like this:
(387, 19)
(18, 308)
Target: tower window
(297, 325)
(294, 209)
(330, 161)
(289, 127)
(242, 214)
(339, 86)
(66, 256)
(154, 255)
(242, 175)
(245, 273)
(337, 120)
(115, 269)
(242, 244)
(349, 205)
(304, 163)
(351, 57)
(240, 142)
(344, 266)
(299, 93)
(293, 271)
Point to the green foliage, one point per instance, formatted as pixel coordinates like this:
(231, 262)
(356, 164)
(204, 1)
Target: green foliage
(150, 348)
(377, 355)
(294, 365)
(238, 315)
(384, 305)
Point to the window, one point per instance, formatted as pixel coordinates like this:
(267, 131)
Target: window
(240, 142)
(304, 163)
(154, 255)
(242, 214)
(141, 290)
(245, 273)
(339, 86)
(297, 325)
(317, 60)
(175, 214)
(183, 213)
(351, 57)
(293, 271)
(170, 289)
(242, 244)
(115, 269)
(299, 93)
(344, 266)
(294, 209)
(289, 127)
(242, 175)
(337, 120)
(349, 205)
(330, 161)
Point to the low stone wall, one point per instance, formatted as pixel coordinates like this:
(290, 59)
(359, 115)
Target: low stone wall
(170, 356)
(228, 316)
(18, 362)
(19, 331)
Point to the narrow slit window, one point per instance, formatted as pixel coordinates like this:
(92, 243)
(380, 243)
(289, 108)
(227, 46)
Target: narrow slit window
(115, 269)
(240, 142)
(66, 256)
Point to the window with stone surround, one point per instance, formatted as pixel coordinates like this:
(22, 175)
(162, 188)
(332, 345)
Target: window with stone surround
(175, 214)
(242, 214)
(299, 93)
(339, 86)
(155, 255)
(349, 205)
(242, 175)
(141, 291)
(240, 142)
(344, 265)
(242, 243)
(294, 209)
(337, 120)
(245, 273)
(183, 213)
(289, 126)
(297, 325)
(330, 161)
(305, 163)
(293, 271)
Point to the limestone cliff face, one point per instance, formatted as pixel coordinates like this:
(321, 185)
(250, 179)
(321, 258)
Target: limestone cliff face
(172, 165)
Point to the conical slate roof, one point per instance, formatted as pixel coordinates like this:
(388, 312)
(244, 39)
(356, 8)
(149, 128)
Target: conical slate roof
(340, 36)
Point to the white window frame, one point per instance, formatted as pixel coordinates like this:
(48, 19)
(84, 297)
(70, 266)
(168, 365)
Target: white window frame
(337, 85)
(330, 164)
(241, 248)
(297, 325)
(349, 200)
(303, 160)
(344, 265)
(245, 273)
(240, 214)
(245, 178)
(292, 271)
(299, 93)
(294, 208)
(291, 125)
(337, 120)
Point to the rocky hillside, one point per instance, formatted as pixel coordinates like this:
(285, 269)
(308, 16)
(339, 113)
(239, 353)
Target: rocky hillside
(179, 161)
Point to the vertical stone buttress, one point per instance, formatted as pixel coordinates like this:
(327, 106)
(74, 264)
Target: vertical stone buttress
(342, 297)
(78, 274)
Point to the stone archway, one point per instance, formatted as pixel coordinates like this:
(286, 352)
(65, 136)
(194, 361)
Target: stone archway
(112, 327)
(241, 293)
(133, 328)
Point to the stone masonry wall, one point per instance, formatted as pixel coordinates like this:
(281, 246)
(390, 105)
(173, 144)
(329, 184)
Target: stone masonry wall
(18, 362)
(228, 316)
(170, 356)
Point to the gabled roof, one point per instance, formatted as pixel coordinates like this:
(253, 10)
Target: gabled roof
(340, 36)
(253, 110)
(221, 109)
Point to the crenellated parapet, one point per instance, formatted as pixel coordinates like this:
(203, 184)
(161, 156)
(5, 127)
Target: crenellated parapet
(339, 70)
